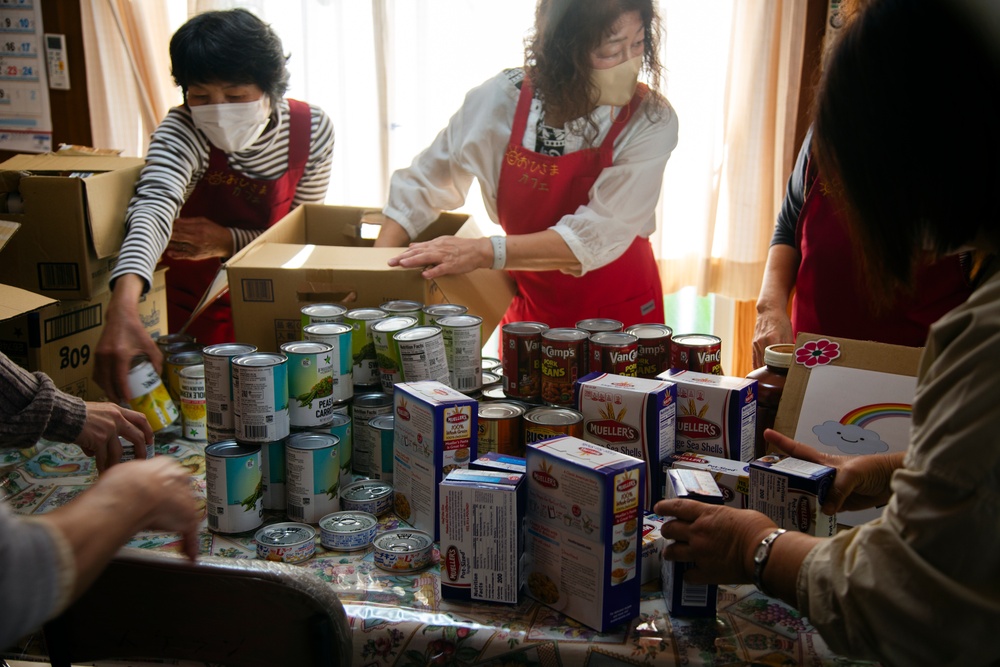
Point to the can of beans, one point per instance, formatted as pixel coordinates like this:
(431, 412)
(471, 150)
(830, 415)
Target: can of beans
(337, 335)
(599, 325)
(286, 542)
(260, 385)
(149, 396)
(368, 495)
(437, 310)
(383, 427)
(501, 428)
(700, 353)
(234, 487)
(178, 356)
(272, 467)
(218, 362)
(422, 355)
(403, 308)
(322, 313)
(549, 422)
(365, 363)
(564, 361)
(615, 353)
(312, 462)
(654, 348)
(364, 408)
(387, 349)
(192, 386)
(463, 346)
(310, 382)
(521, 343)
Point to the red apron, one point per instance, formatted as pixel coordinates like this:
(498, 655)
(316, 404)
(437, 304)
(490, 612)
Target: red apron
(830, 298)
(534, 193)
(231, 199)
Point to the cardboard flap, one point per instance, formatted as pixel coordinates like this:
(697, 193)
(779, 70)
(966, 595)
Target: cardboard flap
(7, 230)
(15, 301)
(107, 200)
(487, 293)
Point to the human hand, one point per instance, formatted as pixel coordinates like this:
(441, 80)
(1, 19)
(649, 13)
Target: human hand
(199, 238)
(446, 255)
(122, 340)
(861, 481)
(773, 326)
(104, 423)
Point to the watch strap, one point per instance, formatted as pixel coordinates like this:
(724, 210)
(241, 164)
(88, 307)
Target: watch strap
(761, 555)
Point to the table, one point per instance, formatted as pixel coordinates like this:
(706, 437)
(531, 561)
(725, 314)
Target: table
(400, 619)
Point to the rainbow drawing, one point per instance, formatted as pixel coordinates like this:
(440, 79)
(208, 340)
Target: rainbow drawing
(866, 414)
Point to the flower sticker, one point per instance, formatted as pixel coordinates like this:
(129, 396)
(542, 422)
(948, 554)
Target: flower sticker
(817, 353)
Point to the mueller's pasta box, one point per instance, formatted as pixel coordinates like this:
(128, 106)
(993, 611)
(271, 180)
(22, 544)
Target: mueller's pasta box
(652, 545)
(499, 463)
(716, 414)
(733, 477)
(634, 416)
(481, 513)
(582, 537)
(435, 431)
(790, 492)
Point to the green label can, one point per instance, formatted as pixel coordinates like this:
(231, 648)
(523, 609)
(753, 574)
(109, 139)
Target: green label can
(337, 335)
(217, 359)
(363, 359)
(463, 346)
(387, 349)
(310, 383)
(272, 463)
(312, 462)
(234, 487)
(383, 428)
(322, 313)
(260, 386)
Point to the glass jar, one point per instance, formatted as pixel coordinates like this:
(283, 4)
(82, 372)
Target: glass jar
(770, 383)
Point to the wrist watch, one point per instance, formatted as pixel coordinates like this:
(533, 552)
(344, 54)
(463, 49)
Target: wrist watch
(760, 557)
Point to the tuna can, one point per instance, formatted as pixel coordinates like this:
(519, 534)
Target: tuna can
(365, 363)
(403, 308)
(403, 550)
(217, 360)
(339, 336)
(286, 542)
(128, 450)
(272, 465)
(192, 387)
(564, 361)
(310, 383)
(491, 379)
(522, 359)
(654, 349)
(492, 365)
(599, 324)
(322, 313)
(347, 531)
(547, 422)
(312, 463)
(501, 428)
(494, 392)
(179, 355)
(365, 408)
(381, 468)
(260, 385)
(700, 353)
(234, 487)
(149, 396)
(387, 350)
(463, 346)
(437, 310)
(368, 495)
(614, 353)
(422, 355)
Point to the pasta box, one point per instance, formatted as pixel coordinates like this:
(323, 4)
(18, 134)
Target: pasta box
(791, 491)
(716, 414)
(732, 477)
(498, 462)
(652, 545)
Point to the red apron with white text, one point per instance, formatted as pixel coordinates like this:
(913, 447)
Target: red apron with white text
(534, 193)
(231, 199)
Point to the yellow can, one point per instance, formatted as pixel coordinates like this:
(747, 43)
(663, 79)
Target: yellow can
(149, 395)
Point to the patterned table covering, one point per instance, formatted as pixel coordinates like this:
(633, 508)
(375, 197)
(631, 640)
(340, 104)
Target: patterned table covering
(400, 620)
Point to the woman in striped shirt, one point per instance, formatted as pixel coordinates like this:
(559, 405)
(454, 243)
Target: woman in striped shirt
(221, 168)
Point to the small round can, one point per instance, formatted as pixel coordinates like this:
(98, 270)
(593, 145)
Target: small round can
(364, 408)
(384, 427)
(405, 308)
(338, 335)
(501, 428)
(368, 495)
(286, 542)
(312, 462)
(494, 392)
(403, 550)
(260, 387)
(192, 390)
(614, 352)
(548, 422)
(273, 471)
(218, 362)
(310, 382)
(491, 379)
(700, 353)
(598, 324)
(653, 355)
(365, 370)
(463, 346)
(322, 313)
(234, 487)
(347, 531)
(422, 354)
(564, 361)
(178, 356)
(492, 365)
(387, 349)
(149, 396)
(433, 311)
(522, 359)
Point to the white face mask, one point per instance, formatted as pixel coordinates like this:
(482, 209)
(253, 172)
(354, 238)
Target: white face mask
(233, 127)
(616, 85)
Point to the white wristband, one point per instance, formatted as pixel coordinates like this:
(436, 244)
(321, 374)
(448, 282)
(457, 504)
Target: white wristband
(499, 252)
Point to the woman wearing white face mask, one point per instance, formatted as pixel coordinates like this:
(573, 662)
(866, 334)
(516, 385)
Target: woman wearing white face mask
(230, 162)
(569, 152)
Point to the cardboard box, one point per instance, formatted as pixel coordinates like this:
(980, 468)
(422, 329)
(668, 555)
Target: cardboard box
(72, 224)
(652, 546)
(316, 254)
(791, 491)
(733, 477)
(717, 414)
(683, 598)
(60, 338)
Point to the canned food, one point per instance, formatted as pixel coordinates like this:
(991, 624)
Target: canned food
(192, 390)
(491, 379)
(422, 355)
(337, 335)
(347, 531)
(322, 313)
(368, 495)
(381, 467)
(463, 346)
(404, 308)
(128, 450)
(364, 408)
(234, 487)
(433, 311)
(492, 365)
(653, 355)
(387, 349)
(365, 363)
(564, 361)
(149, 396)
(501, 428)
(312, 462)
(614, 353)
(169, 339)
(260, 385)
(341, 427)
(522, 359)
(494, 392)
(700, 353)
(599, 324)
(403, 550)
(217, 360)
(178, 356)
(286, 542)
(272, 466)
(547, 422)
(310, 383)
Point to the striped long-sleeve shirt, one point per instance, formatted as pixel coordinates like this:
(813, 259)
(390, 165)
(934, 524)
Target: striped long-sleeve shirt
(177, 159)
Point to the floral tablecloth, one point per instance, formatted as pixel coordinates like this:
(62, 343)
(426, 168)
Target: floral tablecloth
(401, 620)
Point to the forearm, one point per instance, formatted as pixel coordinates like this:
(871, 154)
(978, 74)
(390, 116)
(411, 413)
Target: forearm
(541, 251)
(31, 407)
(779, 278)
(781, 573)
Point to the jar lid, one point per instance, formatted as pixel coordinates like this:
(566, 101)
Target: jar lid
(779, 355)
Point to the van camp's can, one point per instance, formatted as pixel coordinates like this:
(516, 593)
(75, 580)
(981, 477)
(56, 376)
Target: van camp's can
(312, 463)
(463, 346)
(422, 355)
(310, 382)
(403, 308)
(128, 450)
(218, 362)
(432, 312)
(564, 361)
(149, 396)
(365, 363)
(286, 542)
(322, 313)
(522, 359)
(700, 353)
(654, 348)
(368, 495)
(192, 390)
(178, 356)
(615, 353)
(404, 550)
(272, 464)
(234, 487)
(599, 324)
(348, 531)
(501, 428)
(387, 350)
(260, 387)
(365, 408)
(338, 335)
(548, 422)
(381, 468)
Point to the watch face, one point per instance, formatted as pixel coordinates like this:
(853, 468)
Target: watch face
(760, 553)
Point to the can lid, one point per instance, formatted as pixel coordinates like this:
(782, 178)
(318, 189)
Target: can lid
(403, 541)
(228, 349)
(417, 333)
(649, 330)
(500, 410)
(339, 419)
(490, 378)
(323, 309)
(259, 359)
(396, 323)
(401, 305)
(553, 416)
(348, 522)
(305, 347)
(524, 327)
(595, 324)
(327, 328)
(365, 314)
(311, 440)
(375, 399)
(231, 449)
(565, 333)
(186, 358)
(779, 355)
(285, 534)
(697, 339)
(366, 489)
(614, 338)
(382, 422)
(442, 309)
(459, 321)
(195, 371)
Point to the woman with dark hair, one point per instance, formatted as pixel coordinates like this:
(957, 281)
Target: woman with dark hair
(920, 585)
(221, 168)
(569, 152)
